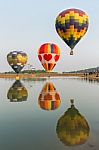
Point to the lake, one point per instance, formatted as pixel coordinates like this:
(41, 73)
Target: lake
(51, 114)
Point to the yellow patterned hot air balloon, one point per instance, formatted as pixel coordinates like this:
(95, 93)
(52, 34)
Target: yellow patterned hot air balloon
(17, 92)
(49, 98)
(71, 25)
(17, 60)
(72, 128)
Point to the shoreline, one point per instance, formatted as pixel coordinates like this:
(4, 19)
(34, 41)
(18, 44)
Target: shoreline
(45, 75)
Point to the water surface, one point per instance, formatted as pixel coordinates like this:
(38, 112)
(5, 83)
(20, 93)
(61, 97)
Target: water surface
(52, 114)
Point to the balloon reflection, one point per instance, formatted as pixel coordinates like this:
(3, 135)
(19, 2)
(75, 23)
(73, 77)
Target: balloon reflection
(49, 99)
(17, 93)
(72, 128)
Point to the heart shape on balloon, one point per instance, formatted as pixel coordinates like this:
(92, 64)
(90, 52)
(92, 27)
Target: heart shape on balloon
(56, 57)
(40, 57)
(47, 57)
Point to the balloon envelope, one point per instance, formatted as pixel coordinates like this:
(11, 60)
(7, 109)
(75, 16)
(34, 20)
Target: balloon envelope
(17, 60)
(48, 55)
(71, 25)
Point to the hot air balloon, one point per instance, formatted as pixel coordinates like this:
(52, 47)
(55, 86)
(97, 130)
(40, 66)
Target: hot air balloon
(49, 98)
(17, 60)
(71, 25)
(17, 92)
(72, 128)
(48, 55)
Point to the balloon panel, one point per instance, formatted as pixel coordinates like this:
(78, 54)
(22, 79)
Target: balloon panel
(48, 87)
(49, 48)
(49, 99)
(17, 60)
(48, 55)
(71, 25)
(49, 105)
(48, 66)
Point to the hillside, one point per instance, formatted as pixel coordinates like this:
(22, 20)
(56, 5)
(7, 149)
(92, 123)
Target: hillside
(89, 70)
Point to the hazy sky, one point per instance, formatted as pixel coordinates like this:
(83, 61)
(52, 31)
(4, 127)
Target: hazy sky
(26, 24)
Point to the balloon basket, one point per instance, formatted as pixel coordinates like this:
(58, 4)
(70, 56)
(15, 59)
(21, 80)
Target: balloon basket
(48, 74)
(72, 101)
(17, 77)
(71, 52)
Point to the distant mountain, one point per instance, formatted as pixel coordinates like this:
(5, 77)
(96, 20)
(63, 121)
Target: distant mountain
(92, 70)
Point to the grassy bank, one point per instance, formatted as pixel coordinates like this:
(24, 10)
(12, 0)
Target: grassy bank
(44, 75)
(36, 75)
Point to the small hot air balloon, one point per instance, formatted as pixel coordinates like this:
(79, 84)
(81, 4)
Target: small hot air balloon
(48, 55)
(72, 128)
(17, 92)
(71, 25)
(49, 98)
(17, 60)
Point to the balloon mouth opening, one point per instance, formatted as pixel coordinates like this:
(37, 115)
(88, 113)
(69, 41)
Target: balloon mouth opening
(48, 71)
(71, 52)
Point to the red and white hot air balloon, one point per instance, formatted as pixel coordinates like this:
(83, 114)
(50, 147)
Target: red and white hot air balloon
(49, 55)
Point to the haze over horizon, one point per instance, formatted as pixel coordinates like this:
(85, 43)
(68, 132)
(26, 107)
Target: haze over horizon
(26, 25)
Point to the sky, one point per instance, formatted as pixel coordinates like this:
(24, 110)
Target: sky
(27, 24)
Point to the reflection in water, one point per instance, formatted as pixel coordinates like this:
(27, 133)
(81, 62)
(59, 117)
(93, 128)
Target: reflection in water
(89, 80)
(72, 128)
(17, 92)
(49, 99)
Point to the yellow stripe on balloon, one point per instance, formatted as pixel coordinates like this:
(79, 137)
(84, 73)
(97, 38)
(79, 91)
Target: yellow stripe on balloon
(67, 17)
(71, 29)
(49, 105)
(80, 20)
(59, 18)
(63, 20)
(48, 48)
(76, 16)
(71, 13)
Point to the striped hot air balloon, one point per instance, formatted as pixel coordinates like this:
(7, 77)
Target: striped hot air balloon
(49, 98)
(71, 25)
(49, 55)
